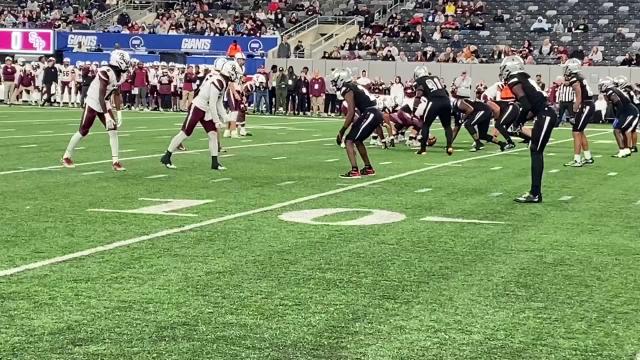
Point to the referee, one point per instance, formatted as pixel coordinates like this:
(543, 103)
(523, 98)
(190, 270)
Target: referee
(565, 97)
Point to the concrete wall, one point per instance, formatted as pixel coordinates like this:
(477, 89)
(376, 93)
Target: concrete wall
(487, 72)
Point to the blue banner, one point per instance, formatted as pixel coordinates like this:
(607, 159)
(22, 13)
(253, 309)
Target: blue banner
(66, 41)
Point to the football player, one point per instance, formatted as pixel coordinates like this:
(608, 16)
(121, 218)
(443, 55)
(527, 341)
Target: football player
(437, 105)
(209, 101)
(533, 105)
(235, 98)
(629, 89)
(102, 92)
(583, 107)
(626, 116)
(357, 97)
(505, 110)
(476, 114)
(66, 78)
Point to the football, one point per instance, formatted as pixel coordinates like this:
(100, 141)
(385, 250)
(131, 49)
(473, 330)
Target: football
(432, 140)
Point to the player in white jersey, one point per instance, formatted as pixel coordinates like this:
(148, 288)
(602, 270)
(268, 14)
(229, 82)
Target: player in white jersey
(66, 79)
(154, 75)
(235, 98)
(207, 109)
(103, 89)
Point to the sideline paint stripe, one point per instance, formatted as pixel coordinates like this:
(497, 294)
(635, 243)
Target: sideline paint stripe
(177, 230)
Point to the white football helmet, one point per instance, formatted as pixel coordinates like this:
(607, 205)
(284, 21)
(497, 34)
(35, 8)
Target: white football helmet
(79, 64)
(163, 64)
(340, 77)
(219, 63)
(621, 81)
(120, 59)
(104, 63)
(572, 66)
(605, 83)
(156, 63)
(231, 70)
(66, 61)
(511, 65)
(240, 58)
(420, 71)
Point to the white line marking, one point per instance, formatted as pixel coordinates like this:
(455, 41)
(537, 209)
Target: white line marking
(597, 156)
(554, 171)
(137, 117)
(386, 163)
(455, 165)
(167, 137)
(279, 158)
(46, 131)
(3, 130)
(221, 179)
(604, 142)
(328, 144)
(638, 203)
(156, 176)
(495, 194)
(93, 173)
(160, 234)
(551, 154)
(287, 183)
(456, 220)
(496, 168)
(124, 135)
(315, 135)
(28, 146)
(331, 160)
(423, 190)
(157, 155)
(343, 184)
(282, 134)
(177, 124)
(142, 127)
(120, 133)
(165, 208)
(612, 174)
(565, 198)
(80, 148)
(246, 141)
(127, 150)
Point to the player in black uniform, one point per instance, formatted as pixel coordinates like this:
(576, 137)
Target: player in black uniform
(361, 128)
(629, 89)
(583, 107)
(437, 105)
(476, 115)
(533, 103)
(626, 116)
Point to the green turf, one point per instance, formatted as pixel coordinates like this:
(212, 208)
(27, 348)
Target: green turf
(557, 281)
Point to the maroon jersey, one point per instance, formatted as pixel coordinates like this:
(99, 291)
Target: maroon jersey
(27, 79)
(9, 73)
(164, 85)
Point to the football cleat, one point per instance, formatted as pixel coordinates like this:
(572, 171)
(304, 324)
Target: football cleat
(421, 152)
(353, 174)
(234, 135)
(574, 163)
(218, 167)
(450, 151)
(620, 155)
(166, 160)
(527, 198)
(588, 162)
(68, 163)
(502, 145)
(392, 142)
(634, 149)
(476, 147)
(242, 131)
(226, 133)
(373, 142)
(510, 146)
(118, 167)
(367, 171)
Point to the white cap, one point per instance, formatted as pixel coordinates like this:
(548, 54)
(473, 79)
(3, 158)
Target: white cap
(66, 60)
(103, 63)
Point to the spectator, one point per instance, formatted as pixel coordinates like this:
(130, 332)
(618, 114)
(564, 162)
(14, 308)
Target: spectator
(140, 85)
(546, 48)
(479, 8)
(9, 74)
(402, 57)
(451, 24)
(419, 57)
(278, 19)
(498, 18)
(578, 53)
(455, 43)
(299, 50)
(540, 83)
(472, 59)
(421, 34)
(497, 53)
(619, 35)
(292, 81)
(587, 62)
(582, 27)
(462, 85)
(391, 48)
(570, 26)
(450, 8)
(628, 60)
(558, 27)
(396, 91)
(331, 99)
(447, 56)
(388, 56)
(284, 49)
(317, 91)
(293, 19)
(233, 49)
(480, 89)
(439, 19)
(273, 89)
(302, 90)
(595, 55)
(540, 25)
(430, 54)
(437, 34)
(518, 18)
(188, 88)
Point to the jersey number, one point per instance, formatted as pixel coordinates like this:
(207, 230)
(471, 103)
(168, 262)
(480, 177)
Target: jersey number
(434, 84)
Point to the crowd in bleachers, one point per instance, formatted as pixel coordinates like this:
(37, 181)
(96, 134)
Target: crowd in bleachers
(52, 14)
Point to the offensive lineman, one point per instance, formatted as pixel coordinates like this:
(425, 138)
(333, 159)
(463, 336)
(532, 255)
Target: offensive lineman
(626, 116)
(583, 107)
(361, 128)
(437, 105)
(102, 91)
(533, 104)
(209, 100)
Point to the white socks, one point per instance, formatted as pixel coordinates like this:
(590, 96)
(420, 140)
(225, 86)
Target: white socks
(577, 158)
(176, 141)
(213, 143)
(587, 154)
(75, 139)
(113, 141)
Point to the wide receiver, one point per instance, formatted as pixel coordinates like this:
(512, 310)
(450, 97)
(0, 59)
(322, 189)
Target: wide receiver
(209, 102)
(102, 92)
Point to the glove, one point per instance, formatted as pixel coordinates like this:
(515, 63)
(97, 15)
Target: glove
(119, 117)
(109, 122)
(340, 136)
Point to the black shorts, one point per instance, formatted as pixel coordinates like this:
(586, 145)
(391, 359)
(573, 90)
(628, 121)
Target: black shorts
(583, 116)
(438, 107)
(626, 119)
(365, 125)
(543, 125)
(509, 113)
(480, 119)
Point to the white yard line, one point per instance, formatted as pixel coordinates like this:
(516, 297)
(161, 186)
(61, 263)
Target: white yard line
(565, 198)
(181, 229)
(496, 168)
(285, 183)
(156, 176)
(423, 190)
(279, 158)
(158, 155)
(28, 146)
(221, 179)
(332, 160)
(612, 174)
(93, 173)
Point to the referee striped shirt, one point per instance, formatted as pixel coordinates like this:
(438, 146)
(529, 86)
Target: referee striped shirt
(565, 94)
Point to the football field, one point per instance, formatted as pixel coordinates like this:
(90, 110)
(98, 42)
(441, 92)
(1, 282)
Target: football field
(278, 258)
